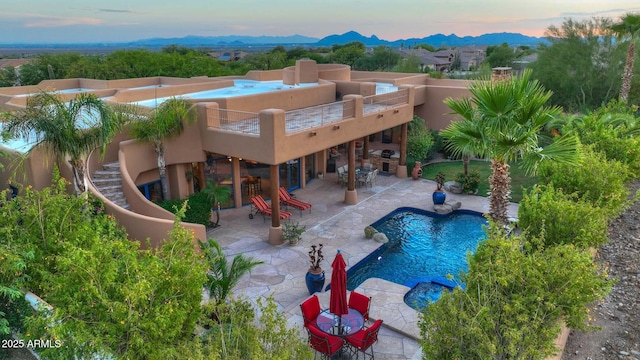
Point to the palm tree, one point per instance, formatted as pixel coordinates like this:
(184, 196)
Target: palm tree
(163, 123)
(222, 277)
(66, 129)
(627, 29)
(503, 122)
(217, 194)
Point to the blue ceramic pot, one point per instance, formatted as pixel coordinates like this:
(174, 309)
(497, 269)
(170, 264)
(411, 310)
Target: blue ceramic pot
(439, 197)
(315, 282)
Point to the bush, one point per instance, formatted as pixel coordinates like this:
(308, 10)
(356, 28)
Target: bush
(469, 182)
(595, 179)
(562, 218)
(517, 293)
(198, 208)
(419, 140)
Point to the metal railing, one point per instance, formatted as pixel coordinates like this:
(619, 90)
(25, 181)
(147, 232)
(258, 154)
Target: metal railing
(375, 103)
(315, 116)
(239, 121)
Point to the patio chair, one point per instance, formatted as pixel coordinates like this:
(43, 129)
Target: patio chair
(260, 206)
(323, 343)
(310, 309)
(363, 340)
(288, 200)
(361, 303)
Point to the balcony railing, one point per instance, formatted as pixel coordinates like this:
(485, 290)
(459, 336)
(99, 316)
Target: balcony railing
(307, 118)
(311, 117)
(240, 121)
(376, 103)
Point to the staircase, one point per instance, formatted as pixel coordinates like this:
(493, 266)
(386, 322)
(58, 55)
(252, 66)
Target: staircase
(109, 182)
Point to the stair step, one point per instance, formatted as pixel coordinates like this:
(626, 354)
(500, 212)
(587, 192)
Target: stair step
(111, 166)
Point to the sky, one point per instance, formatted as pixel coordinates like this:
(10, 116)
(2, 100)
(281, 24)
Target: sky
(98, 21)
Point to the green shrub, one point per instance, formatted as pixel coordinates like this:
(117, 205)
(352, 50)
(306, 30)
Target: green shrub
(517, 294)
(595, 179)
(419, 140)
(469, 182)
(198, 208)
(562, 218)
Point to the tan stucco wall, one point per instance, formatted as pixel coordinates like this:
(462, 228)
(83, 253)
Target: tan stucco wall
(273, 146)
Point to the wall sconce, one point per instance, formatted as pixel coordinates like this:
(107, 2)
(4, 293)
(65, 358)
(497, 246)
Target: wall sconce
(396, 111)
(313, 133)
(336, 127)
(380, 115)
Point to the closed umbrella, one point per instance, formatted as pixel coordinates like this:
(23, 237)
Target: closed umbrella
(338, 297)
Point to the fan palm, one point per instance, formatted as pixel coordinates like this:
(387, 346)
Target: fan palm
(503, 122)
(164, 123)
(627, 29)
(66, 129)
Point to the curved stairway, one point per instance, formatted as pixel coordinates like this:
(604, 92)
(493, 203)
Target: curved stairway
(108, 181)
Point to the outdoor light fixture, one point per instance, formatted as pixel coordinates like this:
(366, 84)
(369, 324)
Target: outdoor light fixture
(336, 127)
(313, 133)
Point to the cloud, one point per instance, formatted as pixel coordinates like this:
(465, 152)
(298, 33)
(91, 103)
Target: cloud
(116, 11)
(36, 21)
(599, 12)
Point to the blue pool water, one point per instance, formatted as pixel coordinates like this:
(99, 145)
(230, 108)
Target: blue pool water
(422, 245)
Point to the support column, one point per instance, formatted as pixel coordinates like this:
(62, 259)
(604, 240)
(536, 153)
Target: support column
(401, 172)
(275, 231)
(350, 195)
(365, 150)
(237, 182)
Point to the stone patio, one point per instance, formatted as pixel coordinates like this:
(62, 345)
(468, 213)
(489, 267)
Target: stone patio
(337, 226)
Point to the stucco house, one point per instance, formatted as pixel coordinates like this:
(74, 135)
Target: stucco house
(271, 126)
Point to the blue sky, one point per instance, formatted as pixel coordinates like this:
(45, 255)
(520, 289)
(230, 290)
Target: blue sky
(73, 21)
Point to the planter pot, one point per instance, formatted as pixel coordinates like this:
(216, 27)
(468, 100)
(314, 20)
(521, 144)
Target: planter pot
(417, 171)
(439, 197)
(315, 281)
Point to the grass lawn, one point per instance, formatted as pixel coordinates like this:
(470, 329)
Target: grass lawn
(518, 179)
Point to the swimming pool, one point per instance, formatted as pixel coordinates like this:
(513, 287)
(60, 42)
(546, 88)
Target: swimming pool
(422, 246)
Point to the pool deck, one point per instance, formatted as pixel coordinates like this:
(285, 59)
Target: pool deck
(337, 226)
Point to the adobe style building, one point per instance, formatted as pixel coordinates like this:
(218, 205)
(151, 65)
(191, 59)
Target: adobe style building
(253, 133)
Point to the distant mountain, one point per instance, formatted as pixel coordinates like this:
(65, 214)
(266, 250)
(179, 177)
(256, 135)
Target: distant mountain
(437, 40)
(238, 42)
(225, 40)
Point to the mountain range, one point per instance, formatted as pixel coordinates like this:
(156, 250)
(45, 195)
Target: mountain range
(239, 42)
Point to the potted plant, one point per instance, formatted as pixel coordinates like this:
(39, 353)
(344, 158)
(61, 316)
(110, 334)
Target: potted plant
(439, 196)
(320, 175)
(315, 276)
(292, 232)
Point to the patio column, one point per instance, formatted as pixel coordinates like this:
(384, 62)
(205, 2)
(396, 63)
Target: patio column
(350, 195)
(275, 231)
(401, 172)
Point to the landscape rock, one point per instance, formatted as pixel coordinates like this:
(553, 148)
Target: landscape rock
(380, 237)
(619, 336)
(453, 187)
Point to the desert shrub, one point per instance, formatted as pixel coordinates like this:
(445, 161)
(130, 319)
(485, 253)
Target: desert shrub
(469, 182)
(198, 208)
(239, 337)
(562, 218)
(517, 293)
(595, 179)
(613, 130)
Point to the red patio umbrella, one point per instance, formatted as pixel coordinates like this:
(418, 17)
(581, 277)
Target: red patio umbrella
(338, 297)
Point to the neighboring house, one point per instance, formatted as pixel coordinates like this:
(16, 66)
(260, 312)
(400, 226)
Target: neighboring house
(228, 55)
(427, 59)
(470, 56)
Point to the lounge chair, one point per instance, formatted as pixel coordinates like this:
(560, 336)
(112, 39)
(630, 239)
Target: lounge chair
(260, 206)
(288, 200)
